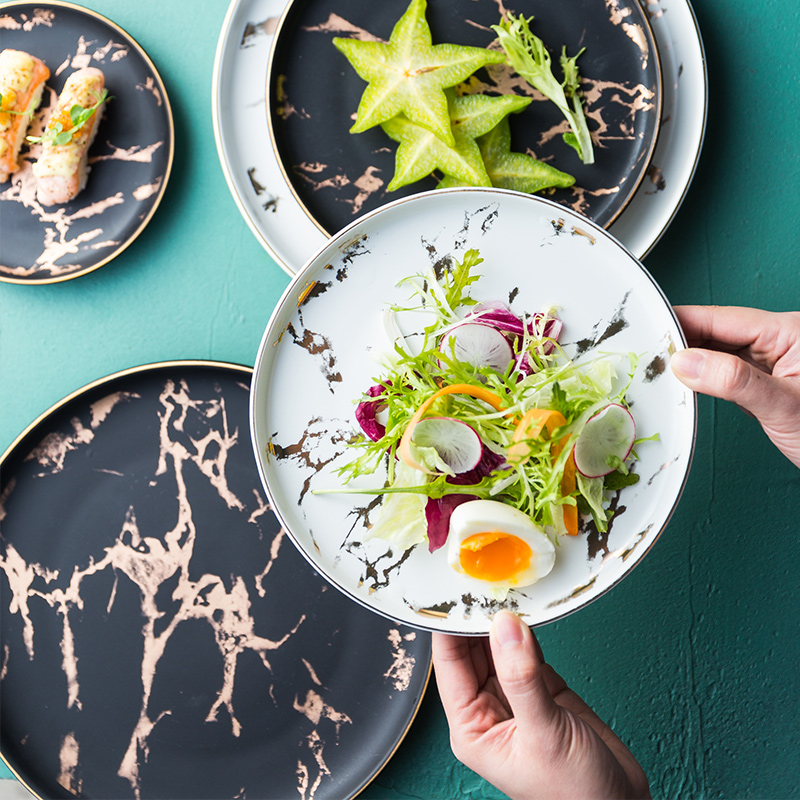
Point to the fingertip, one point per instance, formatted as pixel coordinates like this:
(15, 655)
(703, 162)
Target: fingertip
(507, 629)
(688, 365)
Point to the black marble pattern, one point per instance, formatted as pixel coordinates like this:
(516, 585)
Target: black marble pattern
(130, 159)
(160, 636)
(313, 94)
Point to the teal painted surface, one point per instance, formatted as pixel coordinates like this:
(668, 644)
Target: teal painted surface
(693, 658)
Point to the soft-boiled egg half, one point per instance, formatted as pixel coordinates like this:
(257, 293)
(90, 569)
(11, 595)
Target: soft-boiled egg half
(499, 544)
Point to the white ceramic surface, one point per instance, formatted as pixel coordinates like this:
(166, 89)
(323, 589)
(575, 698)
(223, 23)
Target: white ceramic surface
(271, 211)
(314, 362)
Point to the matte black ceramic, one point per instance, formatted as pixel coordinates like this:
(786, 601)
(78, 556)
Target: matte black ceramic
(313, 94)
(161, 637)
(130, 160)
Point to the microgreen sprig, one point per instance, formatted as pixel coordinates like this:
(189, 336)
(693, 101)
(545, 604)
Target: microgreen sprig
(26, 113)
(78, 115)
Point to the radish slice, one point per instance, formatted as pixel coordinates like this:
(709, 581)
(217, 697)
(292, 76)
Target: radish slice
(478, 344)
(605, 441)
(457, 444)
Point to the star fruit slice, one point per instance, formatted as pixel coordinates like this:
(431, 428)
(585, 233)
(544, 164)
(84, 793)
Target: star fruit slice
(408, 74)
(510, 170)
(421, 152)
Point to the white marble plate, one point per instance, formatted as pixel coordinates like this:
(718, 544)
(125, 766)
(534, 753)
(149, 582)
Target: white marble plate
(277, 220)
(314, 362)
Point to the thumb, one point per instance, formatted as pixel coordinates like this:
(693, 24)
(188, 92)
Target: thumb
(725, 376)
(518, 664)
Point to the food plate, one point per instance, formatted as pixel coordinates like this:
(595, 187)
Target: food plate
(337, 176)
(161, 637)
(316, 360)
(130, 159)
(285, 231)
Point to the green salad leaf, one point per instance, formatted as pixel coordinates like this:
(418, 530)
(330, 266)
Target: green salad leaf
(534, 484)
(529, 57)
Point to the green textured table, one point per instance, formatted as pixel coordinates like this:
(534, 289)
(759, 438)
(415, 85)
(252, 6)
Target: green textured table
(693, 659)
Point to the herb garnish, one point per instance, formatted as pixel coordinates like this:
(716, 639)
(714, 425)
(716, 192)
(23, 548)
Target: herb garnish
(529, 57)
(61, 131)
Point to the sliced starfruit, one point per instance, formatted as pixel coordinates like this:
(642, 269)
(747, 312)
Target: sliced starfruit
(420, 152)
(510, 170)
(408, 74)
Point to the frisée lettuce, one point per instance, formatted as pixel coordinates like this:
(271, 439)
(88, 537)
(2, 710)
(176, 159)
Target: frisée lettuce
(502, 434)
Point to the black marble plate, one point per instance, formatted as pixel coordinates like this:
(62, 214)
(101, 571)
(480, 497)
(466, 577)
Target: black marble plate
(130, 159)
(161, 636)
(313, 94)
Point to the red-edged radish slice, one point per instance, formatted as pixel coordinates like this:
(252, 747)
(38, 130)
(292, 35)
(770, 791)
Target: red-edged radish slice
(404, 448)
(478, 344)
(606, 440)
(457, 443)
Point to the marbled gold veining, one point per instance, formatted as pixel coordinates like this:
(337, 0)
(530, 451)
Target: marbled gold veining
(154, 559)
(69, 758)
(58, 242)
(40, 16)
(402, 668)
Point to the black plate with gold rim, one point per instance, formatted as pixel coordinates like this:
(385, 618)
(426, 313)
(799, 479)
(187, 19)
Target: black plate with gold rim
(161, 636)
(313, 94)
(130, 159)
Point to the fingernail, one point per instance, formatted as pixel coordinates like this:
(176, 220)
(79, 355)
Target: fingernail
(688, 363)
(507, 628)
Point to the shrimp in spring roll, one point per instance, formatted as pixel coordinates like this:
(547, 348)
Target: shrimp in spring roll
(61, 169)
(22, 80)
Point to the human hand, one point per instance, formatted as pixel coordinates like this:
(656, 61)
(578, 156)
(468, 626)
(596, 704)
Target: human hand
(750, 357)
(515, 722)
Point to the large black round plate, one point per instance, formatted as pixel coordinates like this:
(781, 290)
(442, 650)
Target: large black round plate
(313, 94)
(161, 637)
(130, 159)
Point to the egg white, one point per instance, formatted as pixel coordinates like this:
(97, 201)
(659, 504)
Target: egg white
(483, 516)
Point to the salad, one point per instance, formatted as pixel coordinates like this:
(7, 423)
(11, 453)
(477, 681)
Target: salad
(493, 441)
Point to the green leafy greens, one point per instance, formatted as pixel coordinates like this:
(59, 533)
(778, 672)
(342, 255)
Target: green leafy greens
(528, 55)
(533, 485)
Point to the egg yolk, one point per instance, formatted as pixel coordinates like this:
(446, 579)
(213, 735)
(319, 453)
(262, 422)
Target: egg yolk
(494, 555)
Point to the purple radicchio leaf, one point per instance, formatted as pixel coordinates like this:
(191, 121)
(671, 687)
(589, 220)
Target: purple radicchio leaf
(437, 515)
(367, 411)
(538, 325)
(438, 511)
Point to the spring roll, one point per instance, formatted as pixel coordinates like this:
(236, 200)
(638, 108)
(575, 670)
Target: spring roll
(61, 170)
(22, 80)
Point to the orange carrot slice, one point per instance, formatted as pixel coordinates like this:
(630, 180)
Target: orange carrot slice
(568, 485)
(530, 427)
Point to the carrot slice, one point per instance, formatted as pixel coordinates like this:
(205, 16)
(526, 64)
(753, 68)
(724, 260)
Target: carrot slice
(530, 427)
(404, 448)
(568, 485)
(533, 422)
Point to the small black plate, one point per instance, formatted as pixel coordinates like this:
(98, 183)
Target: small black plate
(160, 636)
(313, 94)
(130, 159)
